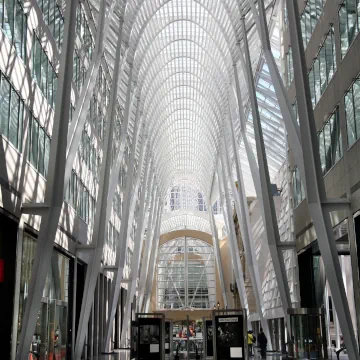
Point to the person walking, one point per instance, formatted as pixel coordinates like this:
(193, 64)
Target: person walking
(250, 339)
(262, 341)
(342, 348)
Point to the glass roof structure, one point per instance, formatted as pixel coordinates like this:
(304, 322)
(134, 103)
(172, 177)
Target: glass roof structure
(183, 53)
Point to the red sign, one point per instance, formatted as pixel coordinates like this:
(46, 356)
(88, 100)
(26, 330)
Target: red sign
(2, 270)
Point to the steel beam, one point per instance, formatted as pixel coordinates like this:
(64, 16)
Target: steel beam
(316, 194)
(147, 249)
(101, 218)
(217, 253)
(54, 194)
(245, 229)
(270, 219)
(154, 252)
(287, 112)
(82, 105)
(124, 227)
(138, 245)
(232, 241)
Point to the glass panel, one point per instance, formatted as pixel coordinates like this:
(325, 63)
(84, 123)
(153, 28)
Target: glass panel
(350, 119)
(323, 70)
(351, 18)
(34, 143)
(344, 40)
(330, 56)
(356, 93)
(14, 118)
(5, 103)
(316, 71)
(41, 150)
(322, 151)
(46, 155)
(8, 24)
(327, 141)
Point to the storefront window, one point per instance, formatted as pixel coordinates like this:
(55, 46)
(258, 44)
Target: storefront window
(50, 337)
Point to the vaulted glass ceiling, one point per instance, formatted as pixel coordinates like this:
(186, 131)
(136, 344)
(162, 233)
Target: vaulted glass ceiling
(183, 53)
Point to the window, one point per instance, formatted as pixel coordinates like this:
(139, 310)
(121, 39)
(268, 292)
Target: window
(298, 188)
(96, 117)
(11, 113)
(14, 24)
(178, 287)
(78, 197)
(349, 14)
(54, 19)
(79, 71)
(38, 146)
(330, 146)
(112, 236)
(83, 31)
(43, 72)
(296, 111)
(352, 111)
(290, 68)
(323, 68)
(309, 18)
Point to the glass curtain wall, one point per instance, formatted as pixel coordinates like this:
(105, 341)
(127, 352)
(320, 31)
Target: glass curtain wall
(186, 275)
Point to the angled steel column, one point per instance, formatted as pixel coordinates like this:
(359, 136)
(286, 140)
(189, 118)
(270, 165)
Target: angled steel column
(154, 253)
(82, 105)
(138, 245)
(253, 165)
(147, 249)
(101, 217)
(270, 219)
(233, 245)
(114, 176)
(54, 194)
(217, 253)
(287, 112)
(316, 194)
(124, 239)
(246, 231)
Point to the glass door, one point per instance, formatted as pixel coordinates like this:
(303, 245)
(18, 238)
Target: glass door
(40, 340)
(57, 330)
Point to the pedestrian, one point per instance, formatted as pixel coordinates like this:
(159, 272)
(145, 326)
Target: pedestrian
(262, 341)
(342, 348)
(250, 339)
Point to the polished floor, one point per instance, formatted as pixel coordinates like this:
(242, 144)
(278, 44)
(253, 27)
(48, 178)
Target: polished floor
(124, 355)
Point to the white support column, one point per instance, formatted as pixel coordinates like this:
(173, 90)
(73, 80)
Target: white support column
(101, 217)
(245, 229)
(125, 224)
(316, 195)
(287, 112)
(233, 245)
(270, 219)
(54, 194)
(154, 253)
(114, 176)
(217, 253)
(138, 245)
(83, 103)
(147, 249)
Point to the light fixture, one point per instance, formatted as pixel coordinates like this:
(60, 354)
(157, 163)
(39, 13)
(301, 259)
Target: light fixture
(218, 305)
